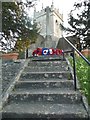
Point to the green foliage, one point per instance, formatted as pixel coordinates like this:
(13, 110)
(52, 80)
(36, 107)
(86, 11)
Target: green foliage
(10, 14)
(89, 82)
(80, 22)
(83, 75)
(21, 55)
(16, 25)
(21, 45)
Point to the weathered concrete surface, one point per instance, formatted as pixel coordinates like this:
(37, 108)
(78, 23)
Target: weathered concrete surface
(89, 110)
(0, 87)
(45, 110)
(53, 83)
(53, 99)
(10, 70)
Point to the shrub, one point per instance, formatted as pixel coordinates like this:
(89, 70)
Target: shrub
(83, 75)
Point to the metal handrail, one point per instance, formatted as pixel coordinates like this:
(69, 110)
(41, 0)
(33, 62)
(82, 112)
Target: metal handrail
(84, 58)
(74, 66)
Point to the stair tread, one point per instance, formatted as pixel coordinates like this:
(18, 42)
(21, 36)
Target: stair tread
(43, 80)
(46, 81)
(45, 109)
(48, 58)
(48, 62)
(43, 72)
(44, 84)
(45, 69)
(49, 72)
(46, 75)
(44, 91)
(44, 64)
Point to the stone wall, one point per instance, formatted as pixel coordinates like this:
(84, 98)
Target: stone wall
(62, 44)
(48, 41)
(10, 70)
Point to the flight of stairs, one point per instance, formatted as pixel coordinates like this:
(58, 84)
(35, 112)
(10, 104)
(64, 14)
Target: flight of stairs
(45, 91)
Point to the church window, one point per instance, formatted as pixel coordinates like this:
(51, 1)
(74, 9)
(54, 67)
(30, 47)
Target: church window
(56, 21)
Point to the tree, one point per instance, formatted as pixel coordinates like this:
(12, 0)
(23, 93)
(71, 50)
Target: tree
(80, 22)
(16, 24)
(26, 36)
(9, 21)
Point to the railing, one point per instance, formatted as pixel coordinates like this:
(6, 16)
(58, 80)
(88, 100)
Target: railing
(73, 55)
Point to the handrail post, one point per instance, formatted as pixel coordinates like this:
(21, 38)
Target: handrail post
(77, 50)
(74, 69)
(63, 56)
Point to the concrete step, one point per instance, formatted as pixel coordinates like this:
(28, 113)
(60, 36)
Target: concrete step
(45, 79)
(46, 68)
(47, 63)
(48, 58)
(47, 75)
(45, 110)
(52, 95)
(45, 90)
(31, 84)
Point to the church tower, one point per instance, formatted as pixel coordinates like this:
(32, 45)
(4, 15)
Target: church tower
(48, 21)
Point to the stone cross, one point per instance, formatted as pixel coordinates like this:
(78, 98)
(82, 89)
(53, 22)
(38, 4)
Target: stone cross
(47, 21)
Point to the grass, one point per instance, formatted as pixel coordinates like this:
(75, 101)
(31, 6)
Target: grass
(83, 75)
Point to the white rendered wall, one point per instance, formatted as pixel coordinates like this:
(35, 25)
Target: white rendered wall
(55, 19)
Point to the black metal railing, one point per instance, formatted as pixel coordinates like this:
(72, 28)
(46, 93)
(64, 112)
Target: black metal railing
(73, 55)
